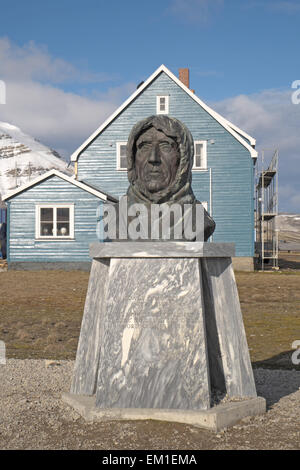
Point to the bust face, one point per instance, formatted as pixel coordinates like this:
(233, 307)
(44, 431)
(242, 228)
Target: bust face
(156, 160)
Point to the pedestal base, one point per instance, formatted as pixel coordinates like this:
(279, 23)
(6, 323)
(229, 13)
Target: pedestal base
(162, 332)
(217, 418)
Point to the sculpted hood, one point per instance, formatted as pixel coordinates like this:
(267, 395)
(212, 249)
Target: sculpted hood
(180, 190)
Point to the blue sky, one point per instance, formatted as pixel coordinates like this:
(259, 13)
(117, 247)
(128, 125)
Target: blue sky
(69, 64)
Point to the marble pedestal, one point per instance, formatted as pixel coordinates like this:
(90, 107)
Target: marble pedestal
(162, 332)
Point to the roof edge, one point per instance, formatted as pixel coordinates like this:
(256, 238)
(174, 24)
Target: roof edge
(61, 175)
(231, 128)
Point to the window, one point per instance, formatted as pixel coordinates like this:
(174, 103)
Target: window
(200, 155)
(162, 104)
(121, 156)
(55, 221)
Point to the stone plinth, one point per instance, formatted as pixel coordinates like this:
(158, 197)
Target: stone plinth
(162, 330)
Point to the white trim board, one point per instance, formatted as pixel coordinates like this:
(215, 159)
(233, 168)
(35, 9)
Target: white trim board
(69, 179)
(231, 128)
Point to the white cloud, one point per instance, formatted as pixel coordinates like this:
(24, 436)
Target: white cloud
(33, 62)
(193, 11)
(273, 120)
(36, 104)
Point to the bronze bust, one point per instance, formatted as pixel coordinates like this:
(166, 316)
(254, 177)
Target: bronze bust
(160, 152)
(159, 203)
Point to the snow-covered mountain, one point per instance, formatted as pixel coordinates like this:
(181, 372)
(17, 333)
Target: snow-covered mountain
(22, 158)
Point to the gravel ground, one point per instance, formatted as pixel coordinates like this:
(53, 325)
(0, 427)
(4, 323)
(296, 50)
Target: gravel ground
(33, 416)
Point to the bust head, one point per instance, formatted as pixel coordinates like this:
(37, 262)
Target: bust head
(159, 155)
(156, 160)
(160, 151)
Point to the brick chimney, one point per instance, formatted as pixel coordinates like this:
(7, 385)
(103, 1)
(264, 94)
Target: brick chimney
(184, 77)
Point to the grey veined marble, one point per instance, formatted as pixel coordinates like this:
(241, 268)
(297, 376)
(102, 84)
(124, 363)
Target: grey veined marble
(153, 347)
(167, 249)
(162, 333)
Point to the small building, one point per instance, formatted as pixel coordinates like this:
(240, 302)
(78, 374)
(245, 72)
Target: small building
(222, 177)
(51, 222)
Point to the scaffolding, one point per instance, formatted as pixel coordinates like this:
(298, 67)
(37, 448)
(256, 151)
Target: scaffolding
(266, 183)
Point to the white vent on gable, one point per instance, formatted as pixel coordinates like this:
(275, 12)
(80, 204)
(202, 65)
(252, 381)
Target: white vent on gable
(162, 104)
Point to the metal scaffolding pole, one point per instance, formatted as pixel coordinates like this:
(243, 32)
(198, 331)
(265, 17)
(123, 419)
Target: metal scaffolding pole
(267, 210)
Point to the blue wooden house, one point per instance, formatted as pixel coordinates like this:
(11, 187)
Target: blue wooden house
(223, 177)
(51, 221)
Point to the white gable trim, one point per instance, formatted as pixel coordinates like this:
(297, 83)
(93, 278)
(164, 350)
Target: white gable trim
(54, 172)
(243, 133)
(231, 128)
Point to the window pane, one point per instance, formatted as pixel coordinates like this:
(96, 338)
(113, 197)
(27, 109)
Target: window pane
(199, 149)
(62, 214)
(63, 229)
(123, 162)
(162, 104)
(46, 229)
(198, 155)
(46, 214)
(198, 161)
(122, 150)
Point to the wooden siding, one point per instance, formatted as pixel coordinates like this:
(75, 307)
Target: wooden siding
(230, 161)
(24, 247)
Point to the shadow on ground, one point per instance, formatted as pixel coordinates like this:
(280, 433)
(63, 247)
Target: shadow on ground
(281, 361)
(287, 260)
(278, 381)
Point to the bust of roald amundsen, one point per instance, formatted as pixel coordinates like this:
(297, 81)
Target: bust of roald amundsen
(160, 152)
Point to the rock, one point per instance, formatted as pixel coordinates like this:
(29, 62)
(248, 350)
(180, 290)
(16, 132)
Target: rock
(50, 363)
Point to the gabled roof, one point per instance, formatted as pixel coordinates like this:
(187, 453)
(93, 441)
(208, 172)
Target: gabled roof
(72, 180)
(231, 128)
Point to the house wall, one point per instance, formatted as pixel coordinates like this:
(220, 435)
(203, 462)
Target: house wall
(23, 247)
(232, 205)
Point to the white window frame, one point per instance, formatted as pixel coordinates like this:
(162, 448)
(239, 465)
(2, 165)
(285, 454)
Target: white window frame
(204, 165)
(158, 110)
(38, 234)
(119, 144)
